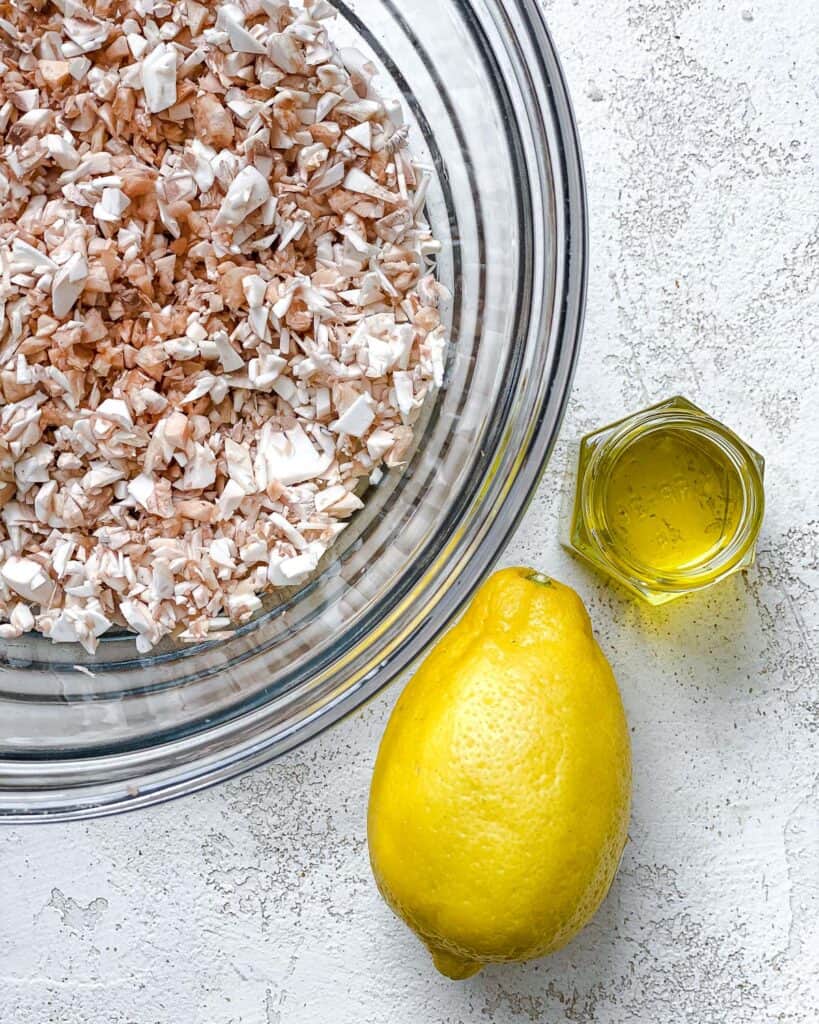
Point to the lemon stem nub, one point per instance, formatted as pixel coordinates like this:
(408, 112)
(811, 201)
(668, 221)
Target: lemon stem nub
(452, 966)
(542, 578)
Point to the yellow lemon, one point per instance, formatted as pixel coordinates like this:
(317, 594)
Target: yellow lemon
(500, 796)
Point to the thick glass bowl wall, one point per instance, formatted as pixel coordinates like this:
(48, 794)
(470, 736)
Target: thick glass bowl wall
(483, 93)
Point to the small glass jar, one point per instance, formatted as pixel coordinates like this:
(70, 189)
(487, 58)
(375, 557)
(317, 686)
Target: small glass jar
(666, 501)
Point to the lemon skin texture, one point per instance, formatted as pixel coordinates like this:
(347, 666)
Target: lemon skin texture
(500, 796)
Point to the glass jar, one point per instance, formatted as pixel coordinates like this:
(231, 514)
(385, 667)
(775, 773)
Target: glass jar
(666, 501)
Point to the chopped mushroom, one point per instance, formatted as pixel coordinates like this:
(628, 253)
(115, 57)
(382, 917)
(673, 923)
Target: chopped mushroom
(220, 317)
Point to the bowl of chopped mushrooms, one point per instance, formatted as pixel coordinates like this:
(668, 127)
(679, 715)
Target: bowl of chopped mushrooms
(291, 297)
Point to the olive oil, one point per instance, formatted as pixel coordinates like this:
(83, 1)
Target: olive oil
(673, 501)
(667, 501)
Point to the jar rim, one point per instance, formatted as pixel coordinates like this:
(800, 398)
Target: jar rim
(746, 464)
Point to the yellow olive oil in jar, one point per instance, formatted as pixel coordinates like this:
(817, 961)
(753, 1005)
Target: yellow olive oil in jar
(667, 501)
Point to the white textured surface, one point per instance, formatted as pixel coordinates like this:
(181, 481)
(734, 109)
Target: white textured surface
(253, 903)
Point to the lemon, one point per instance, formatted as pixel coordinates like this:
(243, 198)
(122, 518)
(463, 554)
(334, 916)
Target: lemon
(500, 795)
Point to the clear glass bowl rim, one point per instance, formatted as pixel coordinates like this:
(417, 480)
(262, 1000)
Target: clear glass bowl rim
(65, 789)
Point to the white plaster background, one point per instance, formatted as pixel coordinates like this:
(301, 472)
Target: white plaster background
(253, 903)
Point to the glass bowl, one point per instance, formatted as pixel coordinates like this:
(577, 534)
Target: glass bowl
(483, 92)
